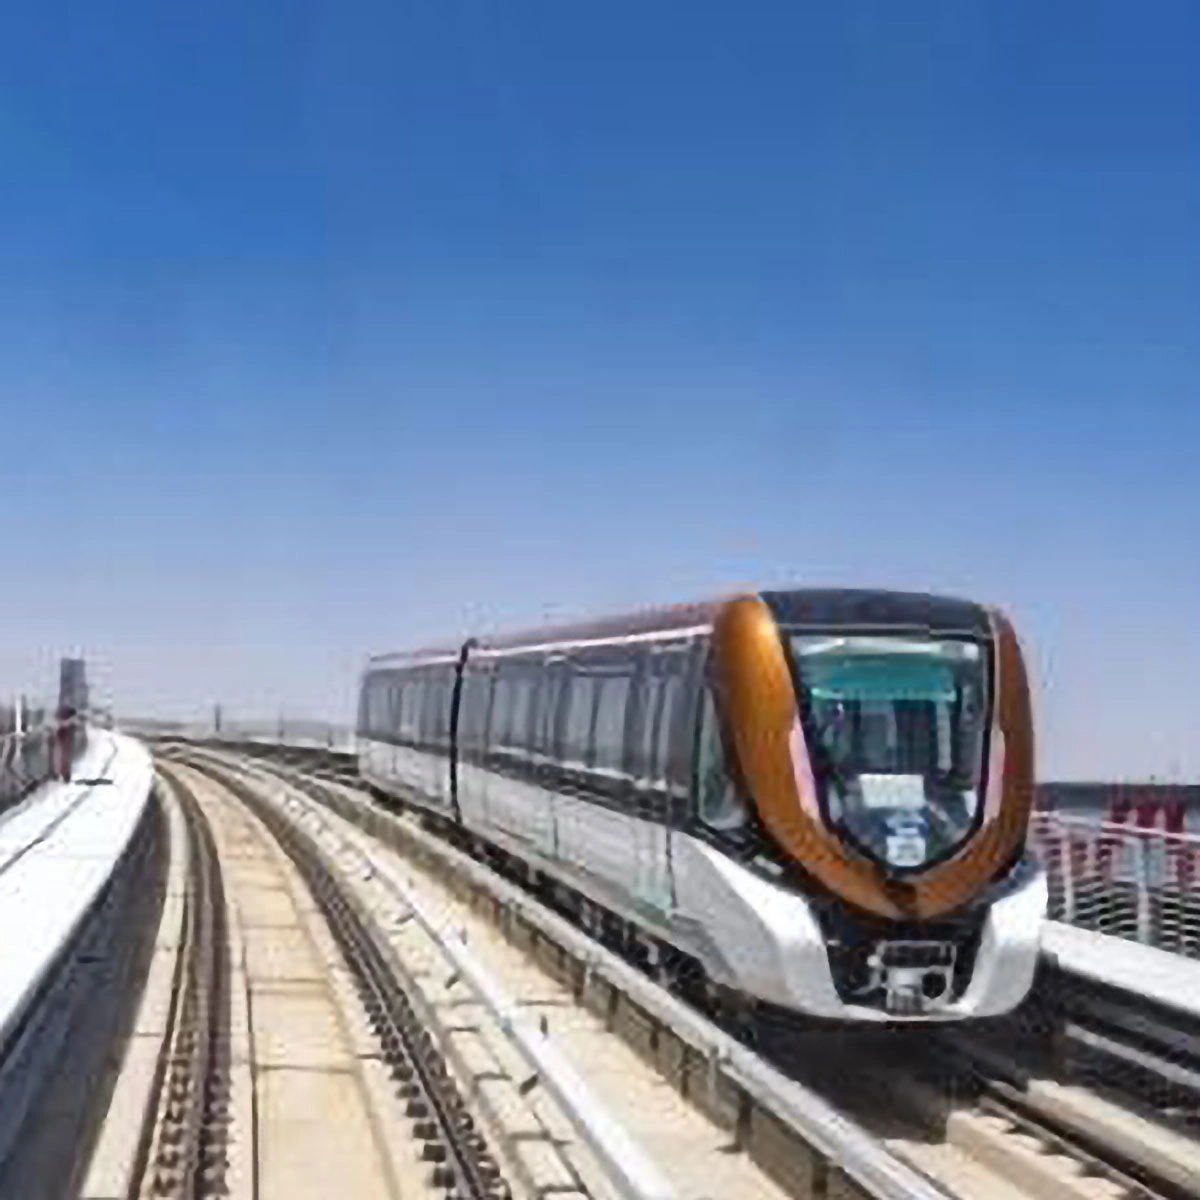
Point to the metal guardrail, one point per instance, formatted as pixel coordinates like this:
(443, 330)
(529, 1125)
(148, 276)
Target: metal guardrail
(35, 755)
(302, 734)
(25, 760)
(1124, 880)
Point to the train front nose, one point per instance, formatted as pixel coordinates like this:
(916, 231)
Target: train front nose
(915, 975)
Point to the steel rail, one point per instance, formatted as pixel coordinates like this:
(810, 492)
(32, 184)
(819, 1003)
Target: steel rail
(186, 1158)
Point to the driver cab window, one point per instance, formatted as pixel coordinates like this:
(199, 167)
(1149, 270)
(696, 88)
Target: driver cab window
(718, 804)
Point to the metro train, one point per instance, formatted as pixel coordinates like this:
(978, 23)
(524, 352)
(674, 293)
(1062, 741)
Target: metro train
(810, 803)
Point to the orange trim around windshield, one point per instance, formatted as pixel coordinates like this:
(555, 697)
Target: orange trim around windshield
(758, 701)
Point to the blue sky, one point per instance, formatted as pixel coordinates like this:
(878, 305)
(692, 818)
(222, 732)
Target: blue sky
(333, 328)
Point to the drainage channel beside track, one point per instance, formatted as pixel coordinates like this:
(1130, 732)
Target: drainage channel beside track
(961, 1110)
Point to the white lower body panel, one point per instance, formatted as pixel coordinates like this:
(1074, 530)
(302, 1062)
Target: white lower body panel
(751, 934)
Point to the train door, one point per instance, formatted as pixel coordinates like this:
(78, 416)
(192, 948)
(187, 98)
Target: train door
(657, 789)
(406, 702)
(572, 804)
(423, 756)
(595, 825)
(545, 747)
(436, 763)
(517, 803)
(472, 742)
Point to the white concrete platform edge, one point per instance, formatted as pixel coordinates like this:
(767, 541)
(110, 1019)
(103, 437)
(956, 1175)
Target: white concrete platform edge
(1163, 977)
(58, 849)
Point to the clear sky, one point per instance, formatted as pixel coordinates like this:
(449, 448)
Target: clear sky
(335, 328)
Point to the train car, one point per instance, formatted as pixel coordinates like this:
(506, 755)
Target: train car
(813, 802)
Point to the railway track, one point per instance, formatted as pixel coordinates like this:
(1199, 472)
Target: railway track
(959, 1108)
(289, 1061)
(715, 1140)
(981, 1115)
(461, 1163)
(186, 1153)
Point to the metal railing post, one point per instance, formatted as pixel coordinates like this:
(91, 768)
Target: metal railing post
(1066, 863)
(1142, 874)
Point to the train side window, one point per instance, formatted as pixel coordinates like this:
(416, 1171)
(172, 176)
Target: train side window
(718, 804)
(531, 734)
(501, 707)
(394, 700)
(439, 728)
(415, 709)
(487, 717)
(410, 699)
(522, 708)
(435, 706)
(379, 711)
(415, 717)
(482, 686)
(467, 701)
(672, 691)
(419, 719)
(610, 722)
(577, 724)
(683, 670)
(447, 705)
(545, 741)
(669, 667)
(370, 705)
(510, 720)
(474, 709)
(429, 719)
(378, 704)
(646, 762)
(388, 717)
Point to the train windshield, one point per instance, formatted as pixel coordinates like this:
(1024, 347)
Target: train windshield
(895, 732)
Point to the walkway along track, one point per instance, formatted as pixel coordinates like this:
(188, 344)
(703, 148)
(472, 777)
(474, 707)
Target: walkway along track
(1002, 1131)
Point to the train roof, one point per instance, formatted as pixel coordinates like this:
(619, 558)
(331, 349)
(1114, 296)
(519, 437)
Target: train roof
(622, 625)
(804, 608)
(863, 609)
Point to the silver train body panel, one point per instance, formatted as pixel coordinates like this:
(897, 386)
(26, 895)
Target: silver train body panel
(751, 934)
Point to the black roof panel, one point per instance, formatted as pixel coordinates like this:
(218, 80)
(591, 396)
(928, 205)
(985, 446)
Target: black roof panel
(853, 608)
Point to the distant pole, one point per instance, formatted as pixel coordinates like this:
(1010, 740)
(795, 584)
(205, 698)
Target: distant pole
(217, 720)
(280, 737)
